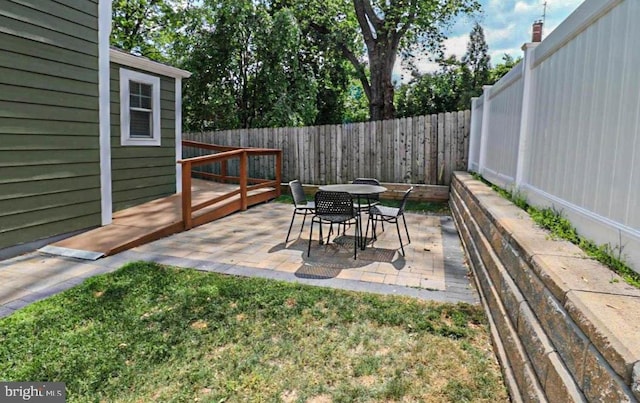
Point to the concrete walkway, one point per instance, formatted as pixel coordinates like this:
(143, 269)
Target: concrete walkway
(251, 243)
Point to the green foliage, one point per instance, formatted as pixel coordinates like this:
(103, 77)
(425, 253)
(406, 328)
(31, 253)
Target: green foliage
(503, 68)
(285, 91)
(151, 333)
(253, 63)
(610, 256)
(249, 72)
(452, 87)
(157, 29)
(356, 105)
(437, 92)
(286, 62)
(383, 29)
(476, 67)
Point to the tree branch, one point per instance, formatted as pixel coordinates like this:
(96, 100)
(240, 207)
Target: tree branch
(363, 21)
(360, 72)
(353, 59)
(373, 18)
(399, 33)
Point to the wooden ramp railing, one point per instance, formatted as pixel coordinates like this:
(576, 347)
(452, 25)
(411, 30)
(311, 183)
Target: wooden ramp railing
(251, 190)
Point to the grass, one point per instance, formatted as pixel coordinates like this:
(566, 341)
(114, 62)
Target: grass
(561, 228)
(423, 207)
(153, 333)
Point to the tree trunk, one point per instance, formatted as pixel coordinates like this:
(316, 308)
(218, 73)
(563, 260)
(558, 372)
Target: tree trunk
(382, 41)
(381, 61)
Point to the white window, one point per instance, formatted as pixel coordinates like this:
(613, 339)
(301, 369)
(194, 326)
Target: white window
(139, 109)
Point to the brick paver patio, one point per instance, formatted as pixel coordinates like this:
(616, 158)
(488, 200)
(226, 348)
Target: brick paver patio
(251, 243)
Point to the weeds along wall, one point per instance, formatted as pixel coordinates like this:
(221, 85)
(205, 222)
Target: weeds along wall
(563, 126)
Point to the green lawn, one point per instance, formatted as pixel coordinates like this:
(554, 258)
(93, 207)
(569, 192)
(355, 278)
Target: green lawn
(154, 333)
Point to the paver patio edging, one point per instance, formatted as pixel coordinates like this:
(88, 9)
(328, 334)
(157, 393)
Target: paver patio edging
(567, 326)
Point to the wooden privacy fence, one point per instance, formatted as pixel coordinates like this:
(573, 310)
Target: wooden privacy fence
(421, 149)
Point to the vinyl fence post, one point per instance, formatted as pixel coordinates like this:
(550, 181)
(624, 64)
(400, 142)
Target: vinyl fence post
(484, 136)
(528, 101)
(474, 136)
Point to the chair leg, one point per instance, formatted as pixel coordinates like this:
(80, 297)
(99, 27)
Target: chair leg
(366, 232)
(400, 237)
(291, 226)
(331, 232)
(374, 226)
(304, 217)
(357, 240)
(406, 228)
(311, 237)
(371, 220)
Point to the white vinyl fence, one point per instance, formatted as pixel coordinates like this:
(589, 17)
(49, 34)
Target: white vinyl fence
(564, 125)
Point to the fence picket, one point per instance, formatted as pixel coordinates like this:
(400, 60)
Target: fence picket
(421, 149)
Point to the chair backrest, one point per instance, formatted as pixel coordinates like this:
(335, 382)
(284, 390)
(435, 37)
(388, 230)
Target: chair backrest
(299, 198)
(368, 181)
(403, 203)
(334, 203)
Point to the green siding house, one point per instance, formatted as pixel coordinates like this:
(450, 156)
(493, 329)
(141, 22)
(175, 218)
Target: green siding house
(85, 130)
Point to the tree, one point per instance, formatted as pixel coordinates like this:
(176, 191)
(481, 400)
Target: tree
(383, 28)
(434, 92)
(503, 68)
(475, 68)
(477, 58)
(144, 27)
(248, 71)
(284, 88)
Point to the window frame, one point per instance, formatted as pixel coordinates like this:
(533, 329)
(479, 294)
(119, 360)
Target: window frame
(125, 108)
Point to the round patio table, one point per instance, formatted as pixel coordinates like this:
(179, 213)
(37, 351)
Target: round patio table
(357, 190)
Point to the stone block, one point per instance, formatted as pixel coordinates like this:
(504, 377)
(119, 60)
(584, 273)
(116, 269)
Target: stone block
(635, 379)
(535, 341)
(511, 296)
(559, 385)
(561, 274)
(487, 225)
(532, 289)
(611, 324)
(531, 240)
(600, 383)
(567, 338)
(531, 389)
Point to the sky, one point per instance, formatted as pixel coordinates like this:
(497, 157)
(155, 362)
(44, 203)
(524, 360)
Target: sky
(506, 25)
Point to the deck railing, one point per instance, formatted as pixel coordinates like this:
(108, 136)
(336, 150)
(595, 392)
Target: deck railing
(247, 185)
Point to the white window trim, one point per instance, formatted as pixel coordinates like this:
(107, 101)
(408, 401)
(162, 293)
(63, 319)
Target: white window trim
(125, 138)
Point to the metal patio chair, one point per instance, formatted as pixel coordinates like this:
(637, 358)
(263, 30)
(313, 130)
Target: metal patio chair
(301, 207)
(371, 200)
(335, 208)
(391, 215)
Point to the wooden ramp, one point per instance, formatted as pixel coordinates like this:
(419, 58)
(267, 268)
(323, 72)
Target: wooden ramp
(154, 220)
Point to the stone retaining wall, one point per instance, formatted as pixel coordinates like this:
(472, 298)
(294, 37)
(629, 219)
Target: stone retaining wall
(565, 328)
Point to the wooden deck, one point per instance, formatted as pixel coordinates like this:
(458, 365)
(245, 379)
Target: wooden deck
(159, 218)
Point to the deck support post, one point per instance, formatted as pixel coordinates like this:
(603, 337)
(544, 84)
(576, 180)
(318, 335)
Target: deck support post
(186, 195)
(278, 172)
(244, 174)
